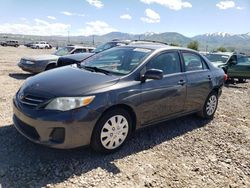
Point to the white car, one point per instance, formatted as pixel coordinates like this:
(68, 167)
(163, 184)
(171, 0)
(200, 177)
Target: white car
(41, 45)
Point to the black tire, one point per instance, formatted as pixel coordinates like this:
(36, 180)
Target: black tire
(51, 66)
(241, 80)
(100, 129)
(37, 47)
(46, 47)
(210, 106)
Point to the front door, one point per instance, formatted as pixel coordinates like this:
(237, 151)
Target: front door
(163, 98)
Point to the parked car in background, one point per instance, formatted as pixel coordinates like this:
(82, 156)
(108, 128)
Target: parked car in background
(41, 63)
(29, 44)
(113, 93)
(13, 43)
(235, 65)
(77, 59)
(41, 45)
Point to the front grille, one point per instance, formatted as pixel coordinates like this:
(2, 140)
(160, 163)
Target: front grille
(31, 100)
(27, 129)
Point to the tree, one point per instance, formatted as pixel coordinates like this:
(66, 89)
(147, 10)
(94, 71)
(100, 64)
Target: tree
(221, 49)
(174, 44)
(193, 45)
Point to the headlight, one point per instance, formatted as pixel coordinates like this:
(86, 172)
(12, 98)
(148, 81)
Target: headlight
(30, 62)
(69, 103)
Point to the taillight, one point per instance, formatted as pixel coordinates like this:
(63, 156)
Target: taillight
(225, 77)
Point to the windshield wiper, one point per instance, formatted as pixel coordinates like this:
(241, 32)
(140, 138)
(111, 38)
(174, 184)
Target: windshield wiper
(96, 69)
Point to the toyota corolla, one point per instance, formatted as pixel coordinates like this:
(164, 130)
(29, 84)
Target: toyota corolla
(113, 93)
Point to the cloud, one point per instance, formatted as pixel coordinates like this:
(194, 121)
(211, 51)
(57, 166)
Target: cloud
(151, 16)
(66, 13)
(126, 17)
(240, 8)
(51, 17)
(96, 28)
(225, 4)
(36, 27)
(171, 4)
(96, 3)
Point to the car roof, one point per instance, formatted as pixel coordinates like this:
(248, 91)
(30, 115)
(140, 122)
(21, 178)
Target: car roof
(80, 47)
(156, 46)
(222, 53)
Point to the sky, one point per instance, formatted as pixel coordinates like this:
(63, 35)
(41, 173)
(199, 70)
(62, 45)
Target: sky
(89, 17)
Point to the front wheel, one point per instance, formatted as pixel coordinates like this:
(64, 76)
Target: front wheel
(111, 131)
(210, 106)
(50, 66)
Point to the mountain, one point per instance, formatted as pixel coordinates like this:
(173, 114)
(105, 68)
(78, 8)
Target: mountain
(208, 41)
(239, 42)
(170, 37)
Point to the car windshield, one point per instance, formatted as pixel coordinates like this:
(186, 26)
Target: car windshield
(104, 47)
(217, 58)
(63, 51)
(117, 60)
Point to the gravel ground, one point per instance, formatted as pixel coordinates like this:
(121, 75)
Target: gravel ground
(186, 152)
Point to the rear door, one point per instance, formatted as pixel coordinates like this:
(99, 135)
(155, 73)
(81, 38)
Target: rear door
(199, 80)
(166, 97)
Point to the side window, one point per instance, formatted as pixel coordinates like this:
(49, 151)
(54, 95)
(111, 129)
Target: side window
(168, 62)
(193, 62)
(243, 60)
(77, 51)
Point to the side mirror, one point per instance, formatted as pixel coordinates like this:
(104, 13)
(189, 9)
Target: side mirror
(154, 74)
(234, 62)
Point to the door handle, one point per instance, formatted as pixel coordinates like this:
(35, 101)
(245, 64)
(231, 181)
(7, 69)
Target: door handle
(181, 82)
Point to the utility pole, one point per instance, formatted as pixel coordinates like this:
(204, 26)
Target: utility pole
(68, 38)
(93, 40)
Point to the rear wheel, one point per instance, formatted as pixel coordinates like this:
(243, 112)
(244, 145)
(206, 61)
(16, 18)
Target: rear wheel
(37, 47)
(210, 106)
(111, 131)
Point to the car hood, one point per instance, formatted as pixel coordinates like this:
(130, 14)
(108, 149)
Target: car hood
(42, 58)
(77, 57)
(67, 81)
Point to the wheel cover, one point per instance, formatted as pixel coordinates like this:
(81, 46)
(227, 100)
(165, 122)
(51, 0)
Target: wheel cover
(211, 105)
(114, 132)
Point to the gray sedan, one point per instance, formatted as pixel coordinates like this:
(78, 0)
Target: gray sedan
(113, 93)
(42, 63)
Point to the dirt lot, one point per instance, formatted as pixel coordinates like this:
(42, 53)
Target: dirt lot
(187, 152)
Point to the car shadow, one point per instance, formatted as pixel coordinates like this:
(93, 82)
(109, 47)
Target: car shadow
(236, 85)
(25, 164)
(20, 76)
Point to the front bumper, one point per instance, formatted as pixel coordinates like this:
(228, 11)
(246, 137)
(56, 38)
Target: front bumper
(33, 68)
(62, 130)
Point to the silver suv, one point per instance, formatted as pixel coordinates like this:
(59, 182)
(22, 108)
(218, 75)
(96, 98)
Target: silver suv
(41, 45)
